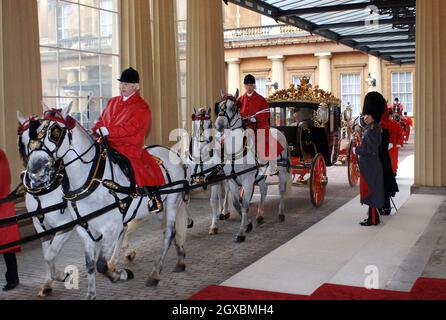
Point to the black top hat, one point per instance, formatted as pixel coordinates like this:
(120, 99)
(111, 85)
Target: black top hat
(249, 79)
(374, 105)
(129, 75)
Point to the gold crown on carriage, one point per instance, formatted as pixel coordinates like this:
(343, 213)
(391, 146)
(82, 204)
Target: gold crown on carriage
(305, 92)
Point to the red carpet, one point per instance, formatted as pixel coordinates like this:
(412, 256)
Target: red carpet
(231, 293)
(423, 289)
(429, 289)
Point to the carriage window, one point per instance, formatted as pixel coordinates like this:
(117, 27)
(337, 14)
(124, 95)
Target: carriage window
(402, 88)
(351, 91)
(79, 49)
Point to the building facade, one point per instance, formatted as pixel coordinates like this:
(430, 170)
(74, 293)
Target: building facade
(276, 53)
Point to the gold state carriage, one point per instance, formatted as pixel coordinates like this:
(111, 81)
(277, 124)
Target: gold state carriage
(310, 119)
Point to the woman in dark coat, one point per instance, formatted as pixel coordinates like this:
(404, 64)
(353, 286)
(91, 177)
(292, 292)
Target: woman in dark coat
(10, 232)
(370, 166)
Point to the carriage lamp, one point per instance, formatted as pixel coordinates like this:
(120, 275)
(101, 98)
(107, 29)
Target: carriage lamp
(322, 115)
(348, 112)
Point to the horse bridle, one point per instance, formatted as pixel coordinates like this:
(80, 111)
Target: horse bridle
(52, 120)
(55, 182)
(223, 112)
(202, 117)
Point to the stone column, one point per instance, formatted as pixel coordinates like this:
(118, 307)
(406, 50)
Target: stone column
(324, 70)
(277, 71)
(430, 106)
(205, 54)
(165, 106)
(20, 73)
(233, 75)
(375, 72)
(136, 47)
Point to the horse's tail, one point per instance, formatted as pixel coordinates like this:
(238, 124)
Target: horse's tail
(181, 224)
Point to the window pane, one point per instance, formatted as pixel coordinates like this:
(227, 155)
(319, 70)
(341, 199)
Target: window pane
(47, 20)
(67, 25)
(89, 75)
(109, 41)
(92, 3)
(68, 73)
(48, 58)
(89, 29)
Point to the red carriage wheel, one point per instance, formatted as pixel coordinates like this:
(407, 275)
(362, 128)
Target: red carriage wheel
(352, 165)
(318, 180)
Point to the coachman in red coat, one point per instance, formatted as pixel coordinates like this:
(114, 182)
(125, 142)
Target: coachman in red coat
(255, 110)
(396, 139)
(125, 122)
(10, 232)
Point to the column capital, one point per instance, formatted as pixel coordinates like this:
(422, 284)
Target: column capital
(323, 55)
(232, 61)
(279, 58)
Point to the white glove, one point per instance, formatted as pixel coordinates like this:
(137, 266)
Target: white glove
(253, 119)
(390, 146)
(103, 131)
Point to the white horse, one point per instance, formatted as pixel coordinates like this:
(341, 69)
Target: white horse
(88, 169)
(203, 156)
(50, 194)
(44, 197)
(238, 141)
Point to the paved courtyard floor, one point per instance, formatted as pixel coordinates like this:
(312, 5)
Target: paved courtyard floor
(210, 259)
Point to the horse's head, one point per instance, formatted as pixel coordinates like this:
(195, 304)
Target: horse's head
(47, 143)
(227, 108)
(27, 127)
(201, 123)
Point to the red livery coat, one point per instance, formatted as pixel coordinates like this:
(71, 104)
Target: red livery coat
(409, 123)
(127, 123)
(396, 137)
(250, 105)
(10, 232)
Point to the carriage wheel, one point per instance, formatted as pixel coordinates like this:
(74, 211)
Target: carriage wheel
(318, 180)
(352, 165)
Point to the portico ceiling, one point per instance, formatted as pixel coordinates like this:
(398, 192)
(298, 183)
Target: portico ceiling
(383, 28)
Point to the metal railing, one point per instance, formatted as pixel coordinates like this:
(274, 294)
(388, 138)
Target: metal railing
(263, 32)
(255, 33)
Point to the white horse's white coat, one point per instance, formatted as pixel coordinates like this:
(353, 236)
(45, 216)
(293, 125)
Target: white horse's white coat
(111, 225)
(242, 187)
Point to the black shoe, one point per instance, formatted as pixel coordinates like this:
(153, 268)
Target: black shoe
(367, 223)
(10, 285)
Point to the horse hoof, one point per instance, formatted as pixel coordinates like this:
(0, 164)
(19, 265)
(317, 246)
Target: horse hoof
(249, 227)
(225, 216)
(180, 268)
(240, 239)
(130, 274)
(44, 292)
(190, 224)
(260, 220)
(131, 256)
(152, 282)
(213, 231)
(281, 217)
